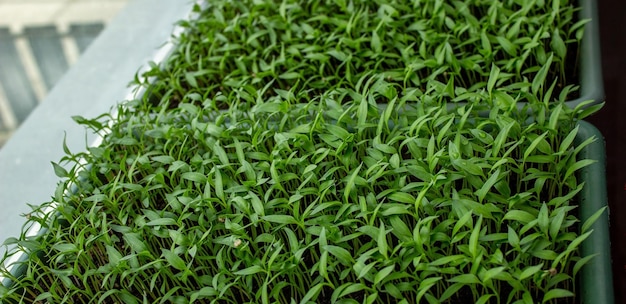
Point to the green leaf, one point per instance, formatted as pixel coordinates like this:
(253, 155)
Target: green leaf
(425, 285)
(493, 77)
(395, 209)
(482, 192)
(484, 299)
(382, 240)
(402, 197)
(512, 237)
(473, 241)
(447, 259)
(556, 222)
(556, 293)
(341, 56)
(592, 219)
(350, 183)
(581, 263)
(290, 75)
(576, 242)
(135, 242)
(501, 138)
(540, 77)
(491, 273)
(531, 148)
(590, 110)
(342, 255)
(254, 269)
(204, 293)
(558, 45)
(400, 229)
(461, 222)
(451, 290)
(162, 222)
(376, 44)
(257, 204)
(219, 187)
(508, 47)
(164, 159)
(191, 79)
(221, 154)
(543, 219)
(520, 216)
(174, 260)
(65, 247)
(567, 141)
(466, 278)
(349, 289)
(59, 171)
(577, 166)
(194, 177)
(313, 293)
(554, 117)
(280, 219)
(530, 271)
(382, 274)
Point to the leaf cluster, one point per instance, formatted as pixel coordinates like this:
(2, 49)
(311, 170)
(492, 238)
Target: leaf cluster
(302, 151)
(323, 44)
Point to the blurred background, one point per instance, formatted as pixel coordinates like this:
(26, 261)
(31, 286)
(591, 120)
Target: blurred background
(39, 41)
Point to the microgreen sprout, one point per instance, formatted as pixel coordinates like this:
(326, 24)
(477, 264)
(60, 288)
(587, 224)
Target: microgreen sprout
(306, 151)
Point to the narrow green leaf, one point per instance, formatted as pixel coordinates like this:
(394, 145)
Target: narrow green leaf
(59, 171)
(556, 293)
(513, 238)
(219, 187)
(531, 148)
(194, 177)
(313, 293)
(376, 44)
(254, 269)
(350, 183)
(482, 192)
(592, 219)
(400, 229)
(530, 271)
(342, 255)
(382, 274)
(280, 219)
(473, 241)
(568, 140)
(221, 154)
(576, 242)
(402, 197)
(135, 242)
(162, 222)
(558, 45)
(520, 216)
(543, 219)
(577, 166)
(540, 77)
(581, 263)
(466, 278)
(493, 77)
(382, 240)
(484, 299)
(174, 260)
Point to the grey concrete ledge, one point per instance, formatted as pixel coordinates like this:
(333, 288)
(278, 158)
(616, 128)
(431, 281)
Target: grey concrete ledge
(94, 85)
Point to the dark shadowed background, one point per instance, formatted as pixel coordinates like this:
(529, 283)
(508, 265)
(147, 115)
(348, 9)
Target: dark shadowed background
(611, 121)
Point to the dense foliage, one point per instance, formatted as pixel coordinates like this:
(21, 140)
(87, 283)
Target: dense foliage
(322, 44)
(298, 152)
